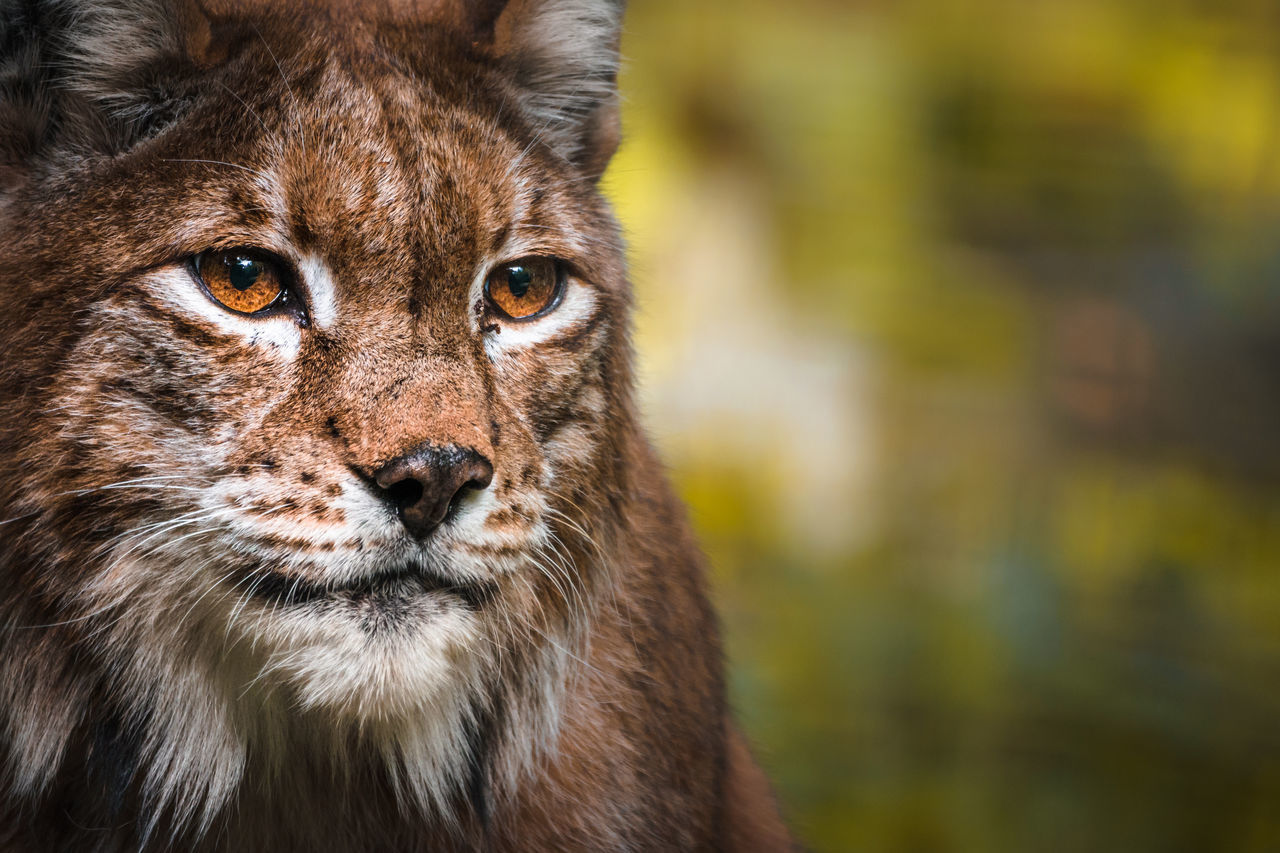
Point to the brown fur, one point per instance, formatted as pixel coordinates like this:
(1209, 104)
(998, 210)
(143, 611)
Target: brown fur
(175, 481)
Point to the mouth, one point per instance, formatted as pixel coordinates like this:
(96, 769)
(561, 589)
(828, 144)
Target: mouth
(398, 583)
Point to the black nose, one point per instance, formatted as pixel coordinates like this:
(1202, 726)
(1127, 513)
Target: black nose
(424, 484)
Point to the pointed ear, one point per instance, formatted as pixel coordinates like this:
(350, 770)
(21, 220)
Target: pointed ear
(95, 74)
(564, 57)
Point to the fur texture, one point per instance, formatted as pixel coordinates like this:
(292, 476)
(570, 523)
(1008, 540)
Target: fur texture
(217, 633)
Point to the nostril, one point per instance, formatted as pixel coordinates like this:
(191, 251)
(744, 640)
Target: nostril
(426, 485)
(478, 481)
(404, 494)
(479, 474)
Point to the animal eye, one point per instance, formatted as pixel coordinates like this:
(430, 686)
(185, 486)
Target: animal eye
(242, 280)
(524, 289)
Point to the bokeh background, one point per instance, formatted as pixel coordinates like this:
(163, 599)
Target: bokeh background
(959, 328)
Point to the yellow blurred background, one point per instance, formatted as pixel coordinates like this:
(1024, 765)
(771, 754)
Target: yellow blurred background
(959, 328)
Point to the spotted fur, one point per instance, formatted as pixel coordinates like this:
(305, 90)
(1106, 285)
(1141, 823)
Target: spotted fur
(216, 636)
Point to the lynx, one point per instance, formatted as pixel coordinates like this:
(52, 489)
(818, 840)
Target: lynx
(328, 523)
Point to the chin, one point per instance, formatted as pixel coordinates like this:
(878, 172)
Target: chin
(379, 659)
(385, 651)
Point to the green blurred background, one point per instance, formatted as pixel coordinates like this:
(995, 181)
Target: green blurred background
(959, 328)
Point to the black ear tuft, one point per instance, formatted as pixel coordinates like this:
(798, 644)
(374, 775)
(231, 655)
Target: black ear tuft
(88, 75)
(564, 56)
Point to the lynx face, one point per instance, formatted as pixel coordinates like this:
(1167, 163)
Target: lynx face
(325, 374)
(354, 478)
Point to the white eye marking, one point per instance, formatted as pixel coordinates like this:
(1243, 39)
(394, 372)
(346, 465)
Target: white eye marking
(577, 306)
(321, 294)
(177, 288)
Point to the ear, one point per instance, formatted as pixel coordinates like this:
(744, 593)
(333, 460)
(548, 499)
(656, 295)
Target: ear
(563, 55)
(90, 75)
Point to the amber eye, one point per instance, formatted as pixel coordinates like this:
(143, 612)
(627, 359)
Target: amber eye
(241, 279)
(524, 289)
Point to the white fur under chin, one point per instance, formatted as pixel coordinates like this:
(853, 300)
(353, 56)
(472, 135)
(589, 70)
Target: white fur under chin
(333, 666)
(290, 695)
(410, 692)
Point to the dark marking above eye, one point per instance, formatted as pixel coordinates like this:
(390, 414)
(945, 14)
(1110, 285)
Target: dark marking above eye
(302, 227)
(332, 426)
(499, 240)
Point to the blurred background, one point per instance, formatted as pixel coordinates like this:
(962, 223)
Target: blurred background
(959, 328)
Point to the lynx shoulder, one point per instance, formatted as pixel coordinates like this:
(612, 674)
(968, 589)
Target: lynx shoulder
(326, 521)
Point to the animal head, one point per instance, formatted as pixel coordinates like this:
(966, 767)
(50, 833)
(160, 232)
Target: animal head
(317, 378)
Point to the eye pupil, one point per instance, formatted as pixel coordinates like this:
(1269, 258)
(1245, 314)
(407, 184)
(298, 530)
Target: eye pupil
(243, 272)
(525, 288)
(243, 281)
(519, 279)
